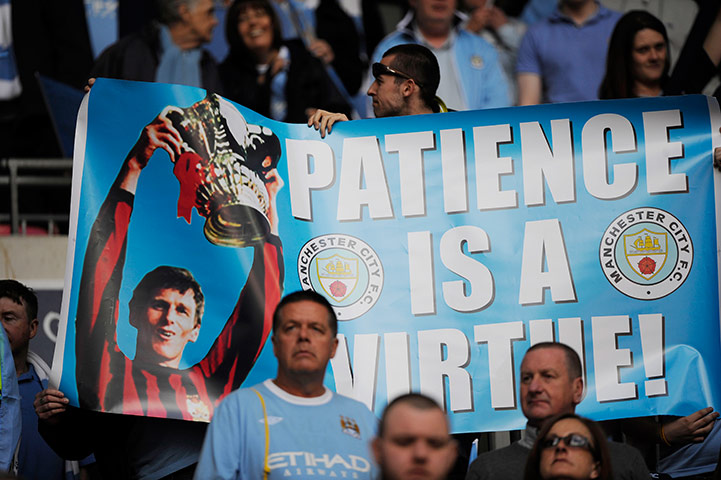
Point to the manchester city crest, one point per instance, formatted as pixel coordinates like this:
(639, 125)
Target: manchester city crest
(344, 269)
(338, 275)
(197, 409)
(646, 253)
(349, 427)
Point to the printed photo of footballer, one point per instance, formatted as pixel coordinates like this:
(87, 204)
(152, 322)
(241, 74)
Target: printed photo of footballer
(226, 170)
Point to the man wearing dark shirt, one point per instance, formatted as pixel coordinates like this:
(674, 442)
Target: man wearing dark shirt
(551, 384)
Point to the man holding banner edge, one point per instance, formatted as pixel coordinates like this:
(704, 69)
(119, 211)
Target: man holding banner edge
(406, 80)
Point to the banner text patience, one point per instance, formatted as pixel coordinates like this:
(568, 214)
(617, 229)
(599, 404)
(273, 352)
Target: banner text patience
(547, 160)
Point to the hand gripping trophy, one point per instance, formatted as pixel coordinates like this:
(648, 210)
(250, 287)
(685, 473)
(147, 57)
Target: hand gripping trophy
(226, 170)
(222, 170)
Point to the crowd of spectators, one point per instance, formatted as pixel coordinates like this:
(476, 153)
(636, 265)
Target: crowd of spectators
(493, 53)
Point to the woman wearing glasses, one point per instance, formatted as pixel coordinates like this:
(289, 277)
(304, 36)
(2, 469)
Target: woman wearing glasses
(569, 447)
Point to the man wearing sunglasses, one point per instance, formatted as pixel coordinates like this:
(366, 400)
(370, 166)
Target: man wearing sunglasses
(551, 384)
(406, 80)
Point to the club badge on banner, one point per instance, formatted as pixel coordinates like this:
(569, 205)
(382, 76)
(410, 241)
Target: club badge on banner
(448, 244)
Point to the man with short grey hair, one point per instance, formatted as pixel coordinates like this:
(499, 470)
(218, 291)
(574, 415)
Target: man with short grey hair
(169, 50)
(551, 384)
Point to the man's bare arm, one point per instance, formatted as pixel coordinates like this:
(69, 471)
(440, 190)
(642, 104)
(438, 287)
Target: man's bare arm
(712, 43)
(529, 88)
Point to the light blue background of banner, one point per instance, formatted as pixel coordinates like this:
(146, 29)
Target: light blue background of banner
(119, 110)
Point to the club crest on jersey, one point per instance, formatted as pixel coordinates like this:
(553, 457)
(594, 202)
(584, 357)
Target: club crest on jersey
(271, 420)
(349, 427)
(345, 270)
(197, 408)
(646, 253)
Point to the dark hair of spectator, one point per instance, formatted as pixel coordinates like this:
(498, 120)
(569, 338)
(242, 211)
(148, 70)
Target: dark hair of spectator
(416, 400)
(310, 296)
(168, 10)
(20, 294)
(421, 65)
(573, 363)
(238, 49)
(618, 81)
(599, 449)
(163, 277)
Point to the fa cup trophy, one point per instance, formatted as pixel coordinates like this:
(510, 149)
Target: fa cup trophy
(222, 170)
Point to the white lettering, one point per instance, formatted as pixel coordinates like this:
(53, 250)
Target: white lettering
(540, 162)
(490, 167)
(659, 152)
(543, 243)
(358, 382)
(410, 148)
(363, 181)
(500, 337)
(300, 179)
(608, 358)
(479, 292)
(595, 156)
(420, 273)
(453, 162)
(433, 368)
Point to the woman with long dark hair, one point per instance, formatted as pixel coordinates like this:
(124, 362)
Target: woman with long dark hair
(278, 79)
(569, 447)
(638, 60)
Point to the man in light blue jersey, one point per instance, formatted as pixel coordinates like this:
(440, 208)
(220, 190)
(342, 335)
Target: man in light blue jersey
(292, 426)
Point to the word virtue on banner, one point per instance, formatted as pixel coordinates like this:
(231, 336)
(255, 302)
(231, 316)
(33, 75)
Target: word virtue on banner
(446, 358)
(362, 179)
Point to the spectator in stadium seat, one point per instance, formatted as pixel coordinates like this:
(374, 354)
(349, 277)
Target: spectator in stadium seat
(548, 71)
(551, 384)
(277, 78)
(500, 30)
(169, 50)
(18, 313)
(569, 446)
(472, 76)
(292, 425)
(405, 83)
(414, 440)
(639, 60)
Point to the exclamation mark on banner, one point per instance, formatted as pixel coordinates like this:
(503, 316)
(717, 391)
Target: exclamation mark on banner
(652, 330)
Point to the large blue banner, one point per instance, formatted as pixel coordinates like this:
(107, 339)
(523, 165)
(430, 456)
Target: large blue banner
(448, 244)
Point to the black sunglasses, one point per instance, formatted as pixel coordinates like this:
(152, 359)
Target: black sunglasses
(379, 69)
(572, 440)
